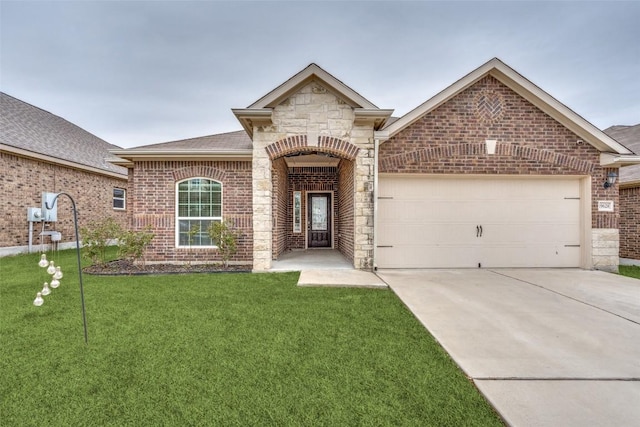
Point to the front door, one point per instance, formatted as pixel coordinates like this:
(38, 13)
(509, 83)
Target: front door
(319, 220)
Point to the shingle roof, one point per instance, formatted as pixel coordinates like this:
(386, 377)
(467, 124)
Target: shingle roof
(629, 136)
(238, 140)
(32, 129)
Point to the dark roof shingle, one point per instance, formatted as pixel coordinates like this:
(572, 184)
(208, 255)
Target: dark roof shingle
(230, 141)
(30, 128)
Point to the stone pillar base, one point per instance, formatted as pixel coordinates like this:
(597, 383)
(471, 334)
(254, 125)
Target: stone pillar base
(605, 247)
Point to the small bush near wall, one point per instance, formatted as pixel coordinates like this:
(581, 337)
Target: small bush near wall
(97, 237)
(102, 234)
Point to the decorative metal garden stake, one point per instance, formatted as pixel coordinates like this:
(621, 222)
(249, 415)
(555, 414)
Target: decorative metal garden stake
(75, 221)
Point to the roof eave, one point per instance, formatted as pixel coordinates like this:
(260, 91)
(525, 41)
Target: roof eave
(128, 157)
(251, 117)
(374, 116)
(614, 160)
(630, 184)
(55, 160)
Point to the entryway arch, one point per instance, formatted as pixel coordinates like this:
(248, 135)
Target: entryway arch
(313, 194)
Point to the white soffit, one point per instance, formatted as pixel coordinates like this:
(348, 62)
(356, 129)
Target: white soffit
(127, 157)
(311, 160)
(527, 90)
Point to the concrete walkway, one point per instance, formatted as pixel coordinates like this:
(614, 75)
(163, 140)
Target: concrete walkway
(546, 347)
(325, 267)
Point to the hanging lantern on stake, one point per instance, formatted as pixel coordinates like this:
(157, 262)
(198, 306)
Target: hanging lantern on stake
(52, 268)
(38, 301)
(55, 283)
(57, 274)
(45, 289)
(43, 261)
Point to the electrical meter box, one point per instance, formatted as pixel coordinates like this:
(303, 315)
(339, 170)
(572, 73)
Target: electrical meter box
(34, 214)
(50, 214)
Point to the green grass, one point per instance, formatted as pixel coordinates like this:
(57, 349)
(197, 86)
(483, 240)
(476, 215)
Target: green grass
(220, 349)
(629, 271)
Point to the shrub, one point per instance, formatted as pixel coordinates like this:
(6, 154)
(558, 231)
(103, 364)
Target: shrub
(225, 236)
(97, 236)
(132, 244)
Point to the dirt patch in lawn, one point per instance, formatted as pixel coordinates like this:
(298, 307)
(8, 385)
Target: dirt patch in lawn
(127, 268)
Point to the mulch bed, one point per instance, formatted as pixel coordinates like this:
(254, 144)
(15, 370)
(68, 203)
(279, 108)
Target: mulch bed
(123, 267)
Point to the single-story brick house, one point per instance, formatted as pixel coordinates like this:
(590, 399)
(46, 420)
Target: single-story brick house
(490, 172)
(629, 136)
(41, 152)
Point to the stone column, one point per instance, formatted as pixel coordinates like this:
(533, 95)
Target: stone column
(363, 209)
(262, 190)
(605, 246)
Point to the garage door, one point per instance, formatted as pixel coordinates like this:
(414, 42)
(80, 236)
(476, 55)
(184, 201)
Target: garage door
(446, 222)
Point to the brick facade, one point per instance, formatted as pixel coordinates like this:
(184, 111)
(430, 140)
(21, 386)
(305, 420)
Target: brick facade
(451, 140)
(305, 180)
(22, 182)
(281, 222)
(345, 202)
(338, 181)
(630, 223)
(153, 202)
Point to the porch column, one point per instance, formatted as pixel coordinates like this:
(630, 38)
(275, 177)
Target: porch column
(363, 209)
(262, 190)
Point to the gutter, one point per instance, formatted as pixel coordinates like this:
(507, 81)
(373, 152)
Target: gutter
(617, 160)
(126, 157)
(57, 161)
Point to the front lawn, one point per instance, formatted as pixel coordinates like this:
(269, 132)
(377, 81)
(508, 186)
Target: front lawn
(219, 349)
(629, 271)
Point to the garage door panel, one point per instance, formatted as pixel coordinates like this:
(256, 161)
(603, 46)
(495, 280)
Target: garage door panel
(429, 222)
(412, 256)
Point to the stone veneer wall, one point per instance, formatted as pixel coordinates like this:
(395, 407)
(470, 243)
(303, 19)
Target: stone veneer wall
(451, 140)
(153, 187)
(326, 123)
(280, 206)
(630, 223)
(22, 181)
(345, 220)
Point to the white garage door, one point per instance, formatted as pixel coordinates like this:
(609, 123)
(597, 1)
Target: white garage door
(446, 222)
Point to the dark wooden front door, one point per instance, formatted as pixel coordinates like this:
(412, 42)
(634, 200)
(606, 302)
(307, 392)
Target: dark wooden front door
(319, 220)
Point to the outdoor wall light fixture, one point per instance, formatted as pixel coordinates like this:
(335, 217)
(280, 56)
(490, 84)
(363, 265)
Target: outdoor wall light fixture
(611, 179)
(56, 272)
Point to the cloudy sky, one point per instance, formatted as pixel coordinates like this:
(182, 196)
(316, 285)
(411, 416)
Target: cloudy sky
(141, 72)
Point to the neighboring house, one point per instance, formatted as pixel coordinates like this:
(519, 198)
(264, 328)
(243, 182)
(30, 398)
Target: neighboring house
(490, 172)
(41, 152)
(629, 136)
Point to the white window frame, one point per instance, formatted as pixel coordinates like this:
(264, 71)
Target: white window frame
(179, 218)
(123, 198)
(297, 212)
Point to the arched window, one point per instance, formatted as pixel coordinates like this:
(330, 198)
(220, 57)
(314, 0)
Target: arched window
(199, 203)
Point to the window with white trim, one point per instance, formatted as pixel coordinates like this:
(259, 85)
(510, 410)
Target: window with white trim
(119, 198)
(199, 203)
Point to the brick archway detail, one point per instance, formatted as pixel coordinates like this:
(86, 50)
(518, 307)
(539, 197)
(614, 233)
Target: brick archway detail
(479, 149)
(326, 144)
(199, 171)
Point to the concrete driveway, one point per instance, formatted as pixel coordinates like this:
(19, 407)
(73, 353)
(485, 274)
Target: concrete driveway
(547, 347)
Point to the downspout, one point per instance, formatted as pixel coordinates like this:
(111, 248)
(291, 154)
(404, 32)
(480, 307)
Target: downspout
(376, 143)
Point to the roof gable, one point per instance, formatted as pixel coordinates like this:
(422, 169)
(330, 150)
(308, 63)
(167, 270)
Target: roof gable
(259, 113)
(312, 73)
(528, 91)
